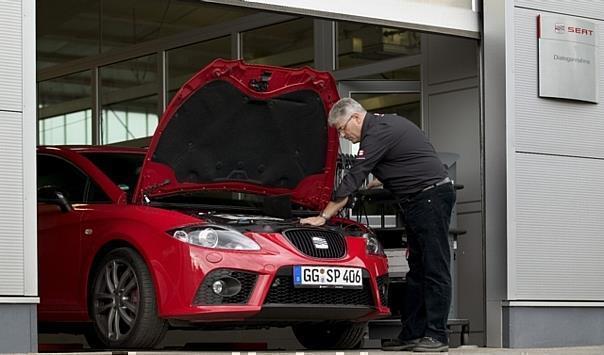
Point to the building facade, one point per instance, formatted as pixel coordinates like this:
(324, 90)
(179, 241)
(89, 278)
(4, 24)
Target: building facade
(467, 72)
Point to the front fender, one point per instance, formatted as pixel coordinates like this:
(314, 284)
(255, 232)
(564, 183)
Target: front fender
(156, 247)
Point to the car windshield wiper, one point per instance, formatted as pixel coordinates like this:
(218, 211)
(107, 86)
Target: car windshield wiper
(205, 206)
(304, 213)
(230, 208)
(154, 187)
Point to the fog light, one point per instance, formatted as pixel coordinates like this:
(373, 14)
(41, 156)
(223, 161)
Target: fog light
(217, 287)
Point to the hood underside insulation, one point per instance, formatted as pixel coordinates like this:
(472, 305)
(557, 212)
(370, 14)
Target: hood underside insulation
(220, 134)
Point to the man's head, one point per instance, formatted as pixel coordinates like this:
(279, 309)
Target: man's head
(347, 117)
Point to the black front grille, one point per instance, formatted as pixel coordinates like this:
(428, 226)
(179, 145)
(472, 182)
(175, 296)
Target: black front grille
(282, 291)
(383, 282)
(206, 296)
(308, 241)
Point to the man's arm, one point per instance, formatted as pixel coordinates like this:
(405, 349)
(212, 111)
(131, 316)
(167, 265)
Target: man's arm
(371, 151)
(332, 209)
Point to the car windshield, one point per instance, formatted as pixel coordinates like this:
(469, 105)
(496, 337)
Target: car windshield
(122, 168)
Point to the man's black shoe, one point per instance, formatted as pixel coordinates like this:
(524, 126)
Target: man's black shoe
(428, 344)
(399, 345)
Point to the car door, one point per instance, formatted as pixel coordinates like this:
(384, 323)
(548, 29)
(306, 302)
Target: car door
(59, 237)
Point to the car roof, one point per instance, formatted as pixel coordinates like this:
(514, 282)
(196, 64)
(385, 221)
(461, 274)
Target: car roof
(94, 149)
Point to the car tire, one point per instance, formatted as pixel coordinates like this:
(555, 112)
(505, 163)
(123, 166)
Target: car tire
(91, 338)
(332, 335)
(123, 304)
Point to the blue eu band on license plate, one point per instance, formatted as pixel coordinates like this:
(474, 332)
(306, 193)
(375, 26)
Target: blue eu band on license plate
(328, 276)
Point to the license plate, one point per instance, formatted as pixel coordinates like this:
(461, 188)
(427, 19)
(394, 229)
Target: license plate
(328, 276)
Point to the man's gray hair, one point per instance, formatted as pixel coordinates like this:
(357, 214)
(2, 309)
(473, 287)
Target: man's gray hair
(343, 109)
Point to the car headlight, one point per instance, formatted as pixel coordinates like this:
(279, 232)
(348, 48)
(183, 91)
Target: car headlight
(215, 238)
(374, 247)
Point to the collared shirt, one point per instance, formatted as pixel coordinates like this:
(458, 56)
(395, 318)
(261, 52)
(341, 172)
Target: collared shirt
(397, 152)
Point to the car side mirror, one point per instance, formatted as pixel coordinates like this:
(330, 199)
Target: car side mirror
(51, 195)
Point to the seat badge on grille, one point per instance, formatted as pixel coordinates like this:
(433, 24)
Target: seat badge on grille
(320, 243)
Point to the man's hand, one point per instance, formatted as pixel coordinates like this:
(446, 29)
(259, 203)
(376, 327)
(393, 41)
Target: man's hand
(330, 210)
(313, 221)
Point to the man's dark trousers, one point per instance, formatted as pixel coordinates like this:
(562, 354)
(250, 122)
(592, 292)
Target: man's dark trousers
(427, 215)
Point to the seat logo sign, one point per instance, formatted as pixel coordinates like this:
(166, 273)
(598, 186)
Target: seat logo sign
(561, 28)
(320, 243)
(568, 60)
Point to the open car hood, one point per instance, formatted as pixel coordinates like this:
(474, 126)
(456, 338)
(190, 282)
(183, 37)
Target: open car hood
(241, 127)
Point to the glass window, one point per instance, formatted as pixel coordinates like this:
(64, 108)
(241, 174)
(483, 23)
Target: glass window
(63, 176)
(129, 99)
(95, 194)
(72, 128)
(360, 44)
(288, 44)
(64, 109)
(185, 61)
(129, 120)
(122, 168)
(68, 179)
(70, 30)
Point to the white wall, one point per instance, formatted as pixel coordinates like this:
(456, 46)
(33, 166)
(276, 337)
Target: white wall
(444, 16)
(554, 160)
(556, 150)
(18, 261)
(11, 147)
(18, 257)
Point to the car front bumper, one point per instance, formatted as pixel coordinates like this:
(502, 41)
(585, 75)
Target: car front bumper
(267, 292)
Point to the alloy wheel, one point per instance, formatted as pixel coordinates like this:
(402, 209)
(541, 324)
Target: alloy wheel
(116, 299)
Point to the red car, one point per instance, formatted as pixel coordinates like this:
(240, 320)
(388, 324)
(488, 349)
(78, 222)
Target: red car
(201, 229)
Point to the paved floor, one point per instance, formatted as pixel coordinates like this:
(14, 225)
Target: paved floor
(587, 350)
(198, 343)
(279, 339)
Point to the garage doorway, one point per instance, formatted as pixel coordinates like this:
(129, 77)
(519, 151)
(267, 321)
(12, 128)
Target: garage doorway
(402, 97)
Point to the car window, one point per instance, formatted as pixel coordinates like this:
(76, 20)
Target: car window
(96, 194)
(58, 173)
(122, 168)
(67, 178)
